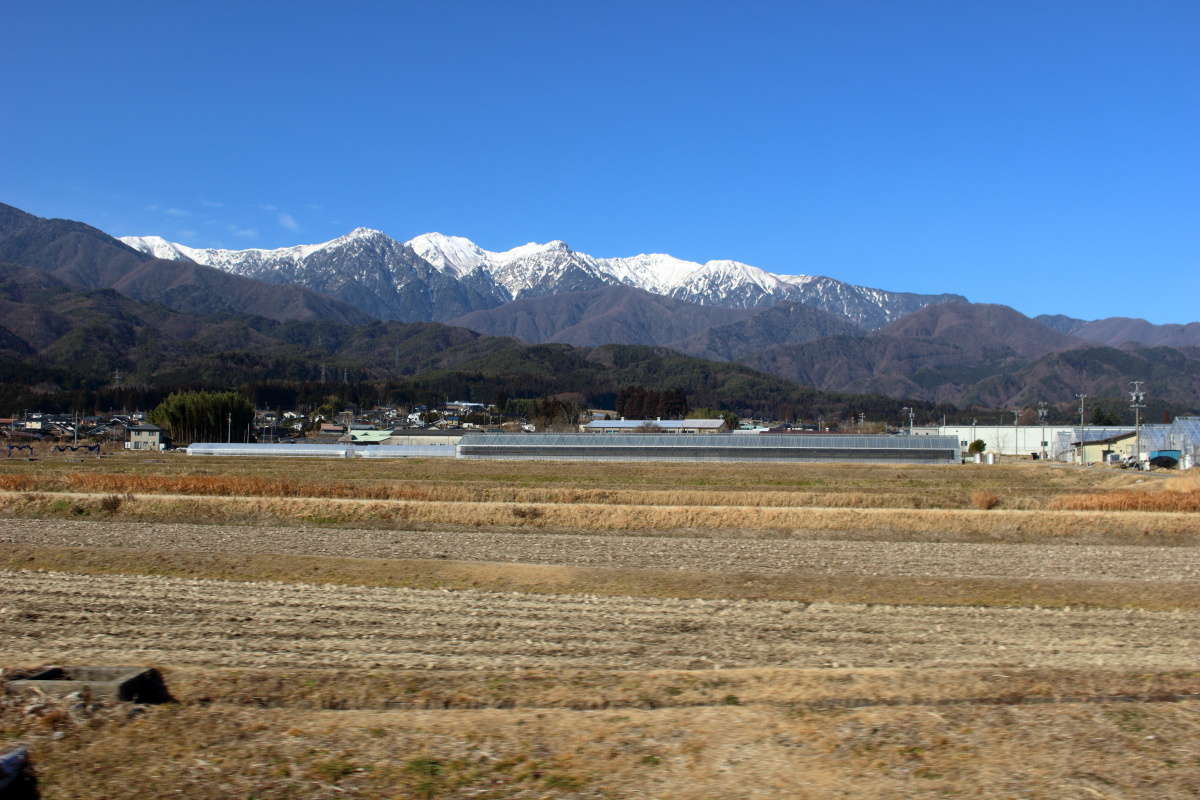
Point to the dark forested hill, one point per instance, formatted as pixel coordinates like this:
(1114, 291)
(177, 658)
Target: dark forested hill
(62, 345)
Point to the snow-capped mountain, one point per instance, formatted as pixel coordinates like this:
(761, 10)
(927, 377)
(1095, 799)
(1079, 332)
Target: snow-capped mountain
(367, 268)
(439, 277)
(159, 247)
(540, 269)
(529, 270)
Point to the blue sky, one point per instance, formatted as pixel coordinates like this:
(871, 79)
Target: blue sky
(1041, 155)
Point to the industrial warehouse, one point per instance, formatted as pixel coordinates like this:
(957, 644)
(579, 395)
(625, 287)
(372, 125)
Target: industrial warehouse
(712, 447)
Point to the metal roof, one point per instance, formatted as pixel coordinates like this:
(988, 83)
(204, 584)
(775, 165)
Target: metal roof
(254, 449)
(369, 435)
(315, 450)
(666, 424)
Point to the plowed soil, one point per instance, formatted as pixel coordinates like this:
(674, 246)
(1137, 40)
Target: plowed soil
(776, 555)
(203, 622)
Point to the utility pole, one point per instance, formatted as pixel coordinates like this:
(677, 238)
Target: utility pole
(1041, 412)
(1137, 402)
(1082, 451)
(228, 427)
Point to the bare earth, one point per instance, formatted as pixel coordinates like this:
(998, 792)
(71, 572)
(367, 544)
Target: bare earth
(775, 555)
(205, 622)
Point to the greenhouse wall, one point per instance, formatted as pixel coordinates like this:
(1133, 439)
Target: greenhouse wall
(712, 447)
(321, 450)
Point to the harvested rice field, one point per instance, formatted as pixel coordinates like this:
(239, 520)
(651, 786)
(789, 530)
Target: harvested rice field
(492, 630)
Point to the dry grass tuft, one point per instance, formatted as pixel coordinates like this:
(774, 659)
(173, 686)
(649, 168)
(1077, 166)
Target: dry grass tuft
(111, 503)
(984, 500)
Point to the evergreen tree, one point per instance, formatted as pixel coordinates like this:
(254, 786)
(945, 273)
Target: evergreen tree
(204, 416)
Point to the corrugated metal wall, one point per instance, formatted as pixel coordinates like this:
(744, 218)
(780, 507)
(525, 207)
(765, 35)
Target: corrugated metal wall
(712, 447)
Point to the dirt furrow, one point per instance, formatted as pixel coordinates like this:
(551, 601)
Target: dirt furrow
(771, 555)
(46, 616)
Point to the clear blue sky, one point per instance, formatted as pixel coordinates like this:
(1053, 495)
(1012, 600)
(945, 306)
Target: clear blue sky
(1041, 155)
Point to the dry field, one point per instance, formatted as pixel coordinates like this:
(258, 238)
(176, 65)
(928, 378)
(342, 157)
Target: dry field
(526, 630)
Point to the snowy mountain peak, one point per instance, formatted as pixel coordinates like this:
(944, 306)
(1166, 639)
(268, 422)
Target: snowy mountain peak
(457, 255)
(445, 272)
(158, 247)
(361, 233)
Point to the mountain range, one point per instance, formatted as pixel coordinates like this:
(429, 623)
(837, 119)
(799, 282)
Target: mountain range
(85, 258)
(288, 312)
(438, 277)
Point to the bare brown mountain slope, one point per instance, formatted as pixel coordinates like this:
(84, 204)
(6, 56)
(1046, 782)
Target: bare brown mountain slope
(982, 328)
(85, 258)
(786, 323)
(611, 315)
(1116, 331)
(958, 353)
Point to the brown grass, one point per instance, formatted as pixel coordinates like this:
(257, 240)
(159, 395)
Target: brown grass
(583, 690)
(251, 486)
(611, 517)
(1038, 478)
(1178, 494)
(747, 751)
(984, 500)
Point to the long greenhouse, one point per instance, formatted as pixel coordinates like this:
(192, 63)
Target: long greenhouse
(712, 447)
(304, 450)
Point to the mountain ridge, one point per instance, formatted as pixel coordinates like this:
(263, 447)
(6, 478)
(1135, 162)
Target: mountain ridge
(431, 263)
(86, 258)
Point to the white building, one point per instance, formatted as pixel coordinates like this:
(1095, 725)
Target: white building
(1048, 441)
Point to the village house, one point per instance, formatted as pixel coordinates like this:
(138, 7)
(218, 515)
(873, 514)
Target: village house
(145, 437)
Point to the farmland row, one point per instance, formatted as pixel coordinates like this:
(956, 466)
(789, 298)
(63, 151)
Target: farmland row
(1018, 525)
(799, 553)
(62, 617)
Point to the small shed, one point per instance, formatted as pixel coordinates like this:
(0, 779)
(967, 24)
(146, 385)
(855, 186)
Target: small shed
(1121, 446)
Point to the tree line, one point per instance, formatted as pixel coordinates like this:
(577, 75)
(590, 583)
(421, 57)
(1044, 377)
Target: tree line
(638, 402)
(204, 417)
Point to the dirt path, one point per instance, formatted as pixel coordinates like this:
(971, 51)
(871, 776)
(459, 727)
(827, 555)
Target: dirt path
(736, 554)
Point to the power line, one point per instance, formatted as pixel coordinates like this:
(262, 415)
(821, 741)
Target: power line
(1137, 402)
(1082, 450)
